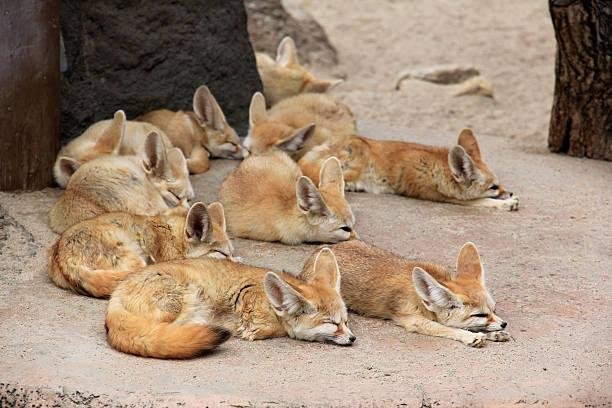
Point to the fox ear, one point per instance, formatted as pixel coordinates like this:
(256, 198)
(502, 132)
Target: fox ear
(331, 174)
(207, 108)
(257, 110)
(297, 139)
(309, 198)
(110, 140)
(461, 165)
(468, 141)
(177, 163)
(322, 85)
(283, 297)
(469, 264)
(286, 55)
(66, 167)
(154, 160)
(326, 269)
(197, 225)
(216, 215)
(431, 292)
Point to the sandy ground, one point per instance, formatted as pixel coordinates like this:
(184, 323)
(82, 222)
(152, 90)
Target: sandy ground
(548, 264)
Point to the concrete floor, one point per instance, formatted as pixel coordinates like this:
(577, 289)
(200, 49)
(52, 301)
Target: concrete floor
(548, 268)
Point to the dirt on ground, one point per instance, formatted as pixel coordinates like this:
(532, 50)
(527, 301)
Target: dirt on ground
(548, 264)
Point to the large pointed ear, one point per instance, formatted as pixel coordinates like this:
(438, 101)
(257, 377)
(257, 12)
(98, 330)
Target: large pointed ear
(217, 219)
(461, 165)
(283, 297)
(65, 168)
(309, 198)
(431, 292)
(177, 163)
(321, 85)
(207, 109)
(197, 224)
(469, 264)
(286, 55)
(257, 110)
(325, 271)
(110, 140)
(468, 141)
(331, 175)
(154, 160)
(297, 139)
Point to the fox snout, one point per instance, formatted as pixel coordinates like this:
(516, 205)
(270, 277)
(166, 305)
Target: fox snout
(343, 336)
(497, 324)
(504, 194)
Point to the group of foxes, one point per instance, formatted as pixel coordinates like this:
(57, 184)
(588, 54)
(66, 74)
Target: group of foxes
(131, 232)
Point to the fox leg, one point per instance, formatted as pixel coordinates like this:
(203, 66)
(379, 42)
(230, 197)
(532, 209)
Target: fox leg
(508, 204)
(198, 161)
(418, 324)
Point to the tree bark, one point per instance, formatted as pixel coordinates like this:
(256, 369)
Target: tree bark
(29, 93)
(581, 117)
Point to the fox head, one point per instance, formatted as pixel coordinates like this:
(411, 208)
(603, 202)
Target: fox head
(285, 77)
(472, 176)
(202, 229)
(166, 170)
(326, 209)
(311, 308)
(266, 136)
(69, 160)
(460, 299)
(219, 138)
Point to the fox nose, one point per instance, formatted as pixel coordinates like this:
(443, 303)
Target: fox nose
(503, 325)
(352, 338)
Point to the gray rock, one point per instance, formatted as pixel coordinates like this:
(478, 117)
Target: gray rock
(122, 55)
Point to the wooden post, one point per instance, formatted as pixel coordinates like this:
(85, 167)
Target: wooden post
(29, 93)
(581, 117)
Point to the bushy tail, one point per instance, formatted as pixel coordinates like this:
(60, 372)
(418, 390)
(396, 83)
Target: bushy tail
(98, 283)
(138, 335)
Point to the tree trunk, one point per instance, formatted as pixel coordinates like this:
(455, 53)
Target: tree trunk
(581, 117)
(29, 93)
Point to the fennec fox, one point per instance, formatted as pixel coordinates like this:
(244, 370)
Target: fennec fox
(420, 296)
(144, 185)
(200, 133)
(285, 77)
(266, 198)
(458, 175)
(93, 256)
(297, 124)
(180, 309)
(115, 136)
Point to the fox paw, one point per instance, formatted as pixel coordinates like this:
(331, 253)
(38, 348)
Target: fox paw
(498, 336)
(476, 340)
(509, 204)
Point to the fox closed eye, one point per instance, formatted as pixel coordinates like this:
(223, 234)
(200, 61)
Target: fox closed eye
(346, 229)
(494, 187)
(479, 315)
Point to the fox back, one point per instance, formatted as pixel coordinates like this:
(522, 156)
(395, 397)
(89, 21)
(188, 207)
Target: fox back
(93, 256)
(180, 309)
(115, 136)
(267, 198)
(143, 185)
(285, 77)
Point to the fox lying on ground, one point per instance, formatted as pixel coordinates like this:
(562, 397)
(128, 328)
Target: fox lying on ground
(93, 256)
(144, 185)
(115, 136)
(266, 198)
(296, 124)
(285, 77)
(420, 296)
(199, 133)
(458, 175)
(180, 309)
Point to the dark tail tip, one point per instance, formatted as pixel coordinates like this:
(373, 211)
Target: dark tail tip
(222, 334)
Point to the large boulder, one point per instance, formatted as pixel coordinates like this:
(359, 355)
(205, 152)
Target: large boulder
(271, 20)
(121, 55)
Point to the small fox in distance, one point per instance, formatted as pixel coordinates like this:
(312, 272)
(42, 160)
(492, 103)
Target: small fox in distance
(285, 77)
(420, 296)
(458, 175)
(181, 309)
(266, 198)
(144, 185)
(93, 256)
(200, 133)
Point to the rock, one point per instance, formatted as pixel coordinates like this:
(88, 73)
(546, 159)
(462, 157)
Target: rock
(475, 86)
(271, 20)
(122, 55)
(440, 74)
